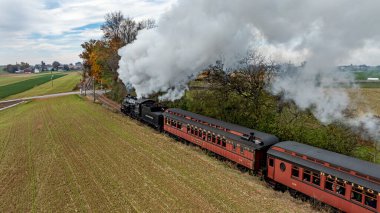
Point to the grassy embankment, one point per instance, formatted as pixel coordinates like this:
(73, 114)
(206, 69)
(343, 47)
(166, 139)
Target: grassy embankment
(64, 84)
(21, 86)
(66, 154)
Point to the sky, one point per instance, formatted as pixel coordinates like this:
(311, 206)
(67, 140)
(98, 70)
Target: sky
(47, 30)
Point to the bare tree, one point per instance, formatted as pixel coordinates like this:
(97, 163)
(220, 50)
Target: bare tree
(129, 30)
(248, 80)
(146, 24)
(111, 28)
(123, 30)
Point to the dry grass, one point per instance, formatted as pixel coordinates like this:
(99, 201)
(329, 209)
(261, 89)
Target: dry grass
(66, 154)
(368, 99)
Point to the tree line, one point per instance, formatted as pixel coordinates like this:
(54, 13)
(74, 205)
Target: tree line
(241, 96)
(12, 68)
(100, 57)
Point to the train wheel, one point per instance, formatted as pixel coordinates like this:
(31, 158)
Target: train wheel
(293, 193)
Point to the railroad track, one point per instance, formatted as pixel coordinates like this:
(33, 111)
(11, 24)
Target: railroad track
(108, 102)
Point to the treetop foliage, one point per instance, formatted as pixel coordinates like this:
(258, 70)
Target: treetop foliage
(100, 57)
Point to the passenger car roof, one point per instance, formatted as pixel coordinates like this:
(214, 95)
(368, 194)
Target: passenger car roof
(226, 125)
(267, 139)
(214, 121)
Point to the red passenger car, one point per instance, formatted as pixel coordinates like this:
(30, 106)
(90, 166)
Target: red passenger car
(242, 145)
(346, 183)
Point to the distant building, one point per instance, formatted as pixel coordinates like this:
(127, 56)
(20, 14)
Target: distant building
(49, 67)
(372, 79)
(28, 70)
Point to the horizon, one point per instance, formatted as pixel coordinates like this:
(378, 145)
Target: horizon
(53, 30)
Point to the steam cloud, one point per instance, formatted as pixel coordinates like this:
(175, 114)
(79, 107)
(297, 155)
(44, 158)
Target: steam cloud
(196, 33)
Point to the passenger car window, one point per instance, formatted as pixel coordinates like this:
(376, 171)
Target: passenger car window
(213, 138)
(370, 199)
(223, 142)
(307, 175)
(340, 187)
(316, 179)
(329, 185)
(357, 194)
(271, 162)
(295, 171)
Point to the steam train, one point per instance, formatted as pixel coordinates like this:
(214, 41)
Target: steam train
(345, 183)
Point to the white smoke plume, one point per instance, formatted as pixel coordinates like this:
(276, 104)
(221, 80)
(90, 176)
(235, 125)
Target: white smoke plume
(196, 33)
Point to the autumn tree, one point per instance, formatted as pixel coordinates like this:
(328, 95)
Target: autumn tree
(100, 57)
(88, 47)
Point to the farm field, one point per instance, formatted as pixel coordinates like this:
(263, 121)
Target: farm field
(21, 86)
(367, 98)
(367, 74)
(6, 79)
(64, 84)
(67, 154)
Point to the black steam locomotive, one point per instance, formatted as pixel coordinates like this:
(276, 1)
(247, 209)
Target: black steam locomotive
(145, 110)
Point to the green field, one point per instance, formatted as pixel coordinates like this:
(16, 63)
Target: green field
(367, 74)
(67, 154)
(21, 86)
(64, 84)
(7, 79)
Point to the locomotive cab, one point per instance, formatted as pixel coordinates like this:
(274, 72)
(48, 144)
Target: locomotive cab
(145, 110)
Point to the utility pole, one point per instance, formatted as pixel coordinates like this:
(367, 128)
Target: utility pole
(93, 83)
(51, 73)
(85, 86)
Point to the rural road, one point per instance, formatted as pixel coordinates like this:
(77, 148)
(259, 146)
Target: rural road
(10, 103)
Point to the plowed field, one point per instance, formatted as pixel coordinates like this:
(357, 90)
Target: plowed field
(67, 154)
